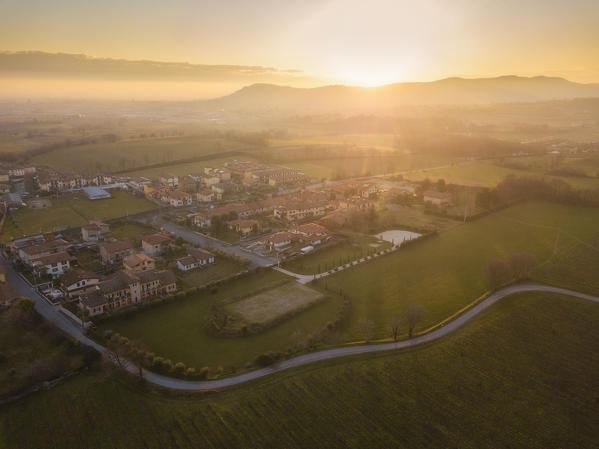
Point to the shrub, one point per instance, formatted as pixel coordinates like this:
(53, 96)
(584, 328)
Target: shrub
(204, 371)
(168, 365)
(179, 368)
(266, 359)
(158, 363)
(190, 372)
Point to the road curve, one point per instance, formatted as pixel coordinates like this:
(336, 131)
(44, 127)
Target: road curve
(52, 314)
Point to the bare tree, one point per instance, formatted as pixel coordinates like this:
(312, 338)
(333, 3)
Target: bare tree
(116, 348)
(136, 353)
(367, 328)
(522, 263)
(394, 324)
(412, 316)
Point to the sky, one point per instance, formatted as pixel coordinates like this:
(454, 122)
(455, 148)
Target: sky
(350, 41)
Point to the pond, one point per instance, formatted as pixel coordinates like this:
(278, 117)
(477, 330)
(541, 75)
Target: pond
(396, 236)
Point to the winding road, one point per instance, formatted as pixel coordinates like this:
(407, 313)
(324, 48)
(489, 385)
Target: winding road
(53, 315)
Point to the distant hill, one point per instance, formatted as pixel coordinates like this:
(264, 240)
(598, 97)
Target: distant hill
(446, 91)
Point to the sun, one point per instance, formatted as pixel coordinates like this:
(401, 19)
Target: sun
(369, 76)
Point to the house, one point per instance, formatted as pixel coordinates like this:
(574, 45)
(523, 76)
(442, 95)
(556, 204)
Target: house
(311, 233)
(45, 248)
(95, 231)
(139, 262)
(155, 244)
(367, 189)
(54, 264)
(188, 184)
(298, 210)
(204, 218)
(169, 180)
(114, 252)
(124, 288)
(437, 198)
(221, 174)
(139, 183)
(244, 227)
(195, 258)
(78, 282)
(8, 295)
(178, 198)
(277, 241)
(205, 196)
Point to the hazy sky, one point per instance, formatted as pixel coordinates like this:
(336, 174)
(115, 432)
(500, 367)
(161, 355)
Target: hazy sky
(355, 41)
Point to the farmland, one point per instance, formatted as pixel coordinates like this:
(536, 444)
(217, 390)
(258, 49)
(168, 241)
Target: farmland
(485, 174)
(447, 272)
(133, 153)
(528, 380)
(72, 211)
(176, 330)
(378, 141)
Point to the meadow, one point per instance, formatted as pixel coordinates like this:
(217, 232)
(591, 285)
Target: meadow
(447, 272)
(71, 211)
(531, 382)
(378, 141)
(486, 174)
(176, 330)
(133, 153)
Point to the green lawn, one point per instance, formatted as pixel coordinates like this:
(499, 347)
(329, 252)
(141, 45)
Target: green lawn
(522, 375)
(133, 153)
(355, 247)
(222, 268)
(72, 211)
(447, 272)
(486, 174)
(176, 330)
(131, 231)
(89, 259)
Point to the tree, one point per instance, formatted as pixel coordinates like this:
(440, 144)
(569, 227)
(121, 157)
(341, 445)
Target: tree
(412, 316)
(116, 348)
(521, 264)
(441, 187)
(367, 328)
(394, 324)
(499, 272)
(136, 352)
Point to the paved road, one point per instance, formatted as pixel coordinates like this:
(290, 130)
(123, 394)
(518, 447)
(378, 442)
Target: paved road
(53, 315)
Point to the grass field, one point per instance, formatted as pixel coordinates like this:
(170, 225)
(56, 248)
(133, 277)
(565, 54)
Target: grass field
(355, 247)
(447, 272)
(133, 153)
(503, 380)
(379, 141)
(339, 168)
(265, 307)
(576, 269)
(131, 231)
(72, 211)
(176, 330)
(485, 174)
(222, 268)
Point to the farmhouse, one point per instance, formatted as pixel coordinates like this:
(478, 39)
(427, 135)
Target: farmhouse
(77, 282)
(95, 231)
(114, 252)
(139, 262)
(437, 198)
(155, 244)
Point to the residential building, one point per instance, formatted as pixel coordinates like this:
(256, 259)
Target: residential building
(54, 264)
(95, 231)
(188, 184)
(114, 252)
(155, 244)
(311, 233)
(78, 282)
(124, 288)
(195, 258)
(243, 226)
(45, 248)
(169, 180)
(139, 262)
(178, 198)
(298, 210)
(221, 174)
(437, 198)
(279, 240)
(205, 196)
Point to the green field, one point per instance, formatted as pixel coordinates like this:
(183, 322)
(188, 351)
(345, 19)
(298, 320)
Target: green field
(483, 174)
(176, 330)
(185, 169)
(379, 141)
(503, 380)
(71, 211)
(354, 247)
(125, 154)
(223, 267)
(347, 167)
(131, 231)
(447, 272)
